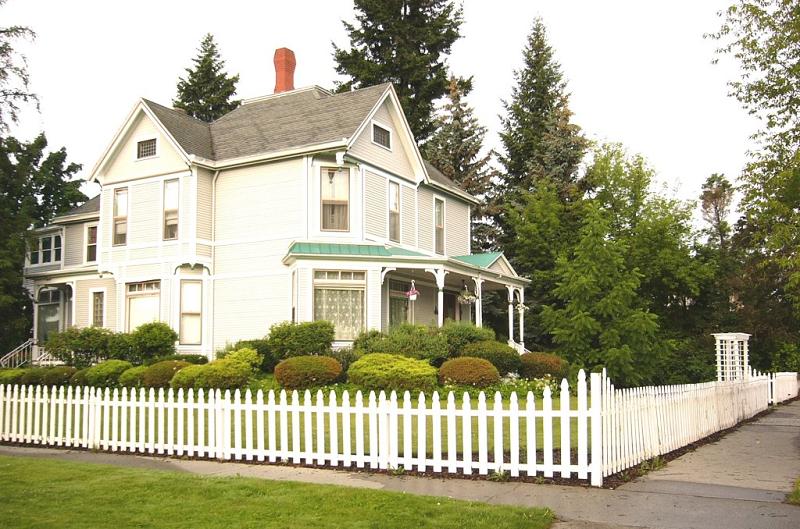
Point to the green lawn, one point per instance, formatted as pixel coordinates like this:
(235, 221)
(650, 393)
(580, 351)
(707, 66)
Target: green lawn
(794, 496)
(42, 494)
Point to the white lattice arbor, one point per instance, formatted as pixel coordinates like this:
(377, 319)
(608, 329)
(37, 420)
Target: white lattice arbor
(733, 362)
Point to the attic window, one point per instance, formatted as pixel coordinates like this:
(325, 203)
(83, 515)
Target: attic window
(381, 136)
(146, 149)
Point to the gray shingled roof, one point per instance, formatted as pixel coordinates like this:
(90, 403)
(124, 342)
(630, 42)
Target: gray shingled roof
(90, 206)
(292, 120)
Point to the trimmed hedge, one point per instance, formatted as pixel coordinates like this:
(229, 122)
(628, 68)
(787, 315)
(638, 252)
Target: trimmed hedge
(58, 376)
(160, 374)
(33, 376)
(79, 378)
(469, 371)
(289, 339)
(460, 335)
(80, 347)
(382, 371)
(414, 341)
(192, 359)
(106, 374)
(220, 374)
(303, 372)
(502, 356)
(11, 376)
(132, 378)
(537, 365)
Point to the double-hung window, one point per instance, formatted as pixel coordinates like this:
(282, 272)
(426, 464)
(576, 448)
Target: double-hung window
(45, 250)
(120, 216)
(171, 200)
(339, 297)
(98, 309)
(394, 211)
(191, 331)
(91, 244)
(438, 217)
(335, 198)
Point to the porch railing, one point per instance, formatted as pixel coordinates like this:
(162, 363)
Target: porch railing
(20, 355)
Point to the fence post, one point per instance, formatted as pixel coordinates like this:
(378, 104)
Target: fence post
(596, 430)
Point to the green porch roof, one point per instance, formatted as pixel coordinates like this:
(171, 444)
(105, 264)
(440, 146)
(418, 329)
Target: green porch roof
(484, 260)
(323, 248)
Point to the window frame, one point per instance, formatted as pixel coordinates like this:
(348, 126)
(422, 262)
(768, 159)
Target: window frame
(39, 251)
(385, 128)
(115, 218)
(443, 201)
(86, 244)
(92, 292)
(398, 213)
(322, 174)
(139, 145)
(141, 293)
(165, 211)
(339, 284)
(182, 313)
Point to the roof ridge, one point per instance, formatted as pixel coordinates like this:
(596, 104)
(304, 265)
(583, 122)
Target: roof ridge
(176, 111)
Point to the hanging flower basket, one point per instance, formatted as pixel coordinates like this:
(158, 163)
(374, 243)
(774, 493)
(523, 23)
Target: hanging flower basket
(466, 297)
(412, 293)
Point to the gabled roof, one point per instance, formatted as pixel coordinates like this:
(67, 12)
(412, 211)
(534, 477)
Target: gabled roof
(484, 260)
(193, 135)
(88, 208)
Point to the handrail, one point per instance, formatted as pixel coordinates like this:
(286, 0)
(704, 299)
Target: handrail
(19, 355)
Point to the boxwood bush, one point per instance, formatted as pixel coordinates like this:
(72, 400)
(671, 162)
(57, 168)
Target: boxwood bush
(33, 375)
(289, 339)
(383, 371)
(11, 376)
(160, 374)
(415, 341)
(191, 358)
(106, 374)
(132, 378)
(302, 372)
(219, 374)
(151, 340)
(469, 371)
(79, 378)
(537, 365)
(460, 334)
(502, 356)
(58, 376)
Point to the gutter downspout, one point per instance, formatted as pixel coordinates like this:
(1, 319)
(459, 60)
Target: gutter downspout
(213, 258)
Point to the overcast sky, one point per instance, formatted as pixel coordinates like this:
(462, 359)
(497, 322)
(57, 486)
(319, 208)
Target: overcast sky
(639, 72)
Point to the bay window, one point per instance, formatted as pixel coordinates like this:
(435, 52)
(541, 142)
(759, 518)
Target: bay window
(339, 297)
(335, 198)
(394, 211)
(191, 326)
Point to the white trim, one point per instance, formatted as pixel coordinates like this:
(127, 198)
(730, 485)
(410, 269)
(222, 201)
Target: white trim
(147, 180)
(162, 204)
(92, 291)
(380, 124)
(263, 157)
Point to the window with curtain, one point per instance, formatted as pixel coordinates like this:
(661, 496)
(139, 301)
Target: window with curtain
(335, 197)
(144, 301)
(394, 211)
(171, 198)
(339, 298)
(438, 215)
(191, 331)
(98, 300)
(91, 244)
(120, 216)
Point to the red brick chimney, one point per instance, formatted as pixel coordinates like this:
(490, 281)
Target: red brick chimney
(284, 70)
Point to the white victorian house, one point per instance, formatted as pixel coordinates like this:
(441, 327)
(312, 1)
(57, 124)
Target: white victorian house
(300, 205)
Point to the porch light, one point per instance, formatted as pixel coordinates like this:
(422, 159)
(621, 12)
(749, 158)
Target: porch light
(412, 293)
(466, 297)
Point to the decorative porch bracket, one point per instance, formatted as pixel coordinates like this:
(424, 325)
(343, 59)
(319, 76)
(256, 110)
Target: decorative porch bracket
(385, 271)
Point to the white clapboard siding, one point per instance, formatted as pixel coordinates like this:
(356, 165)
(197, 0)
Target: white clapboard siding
(614, 429)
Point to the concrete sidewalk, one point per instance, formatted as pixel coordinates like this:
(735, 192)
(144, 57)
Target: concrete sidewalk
(737, 483)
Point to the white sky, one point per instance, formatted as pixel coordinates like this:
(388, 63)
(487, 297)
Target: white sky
(639, 72)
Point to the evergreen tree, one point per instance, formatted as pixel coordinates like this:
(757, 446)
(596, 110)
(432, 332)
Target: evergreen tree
(455, 149)
(404, 42)
(14, 78)
(600, 320)
(715, 202)
(207, 90)
(34, 188)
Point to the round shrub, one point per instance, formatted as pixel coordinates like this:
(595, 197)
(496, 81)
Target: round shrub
(192, 359)
(11, 376)
(245, 356)
(469, 371)
(132, 378)
(537, 365)
(502, 356)
(297, 339)
(302, 372)
(58, 376)
(159, 375)
(460, 334)
(187, 377)
(220, 374)
(106, 374)
(34, 375)
(382, 371)
(79, 378)
(154, 339)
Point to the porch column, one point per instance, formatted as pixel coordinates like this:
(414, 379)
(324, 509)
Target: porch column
(478, 301)
(521, 319)
(439, 274)
(510, 312)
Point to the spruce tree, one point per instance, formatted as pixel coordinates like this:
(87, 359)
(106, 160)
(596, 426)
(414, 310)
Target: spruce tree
(207, 90)
(404, 42)
(455, 149)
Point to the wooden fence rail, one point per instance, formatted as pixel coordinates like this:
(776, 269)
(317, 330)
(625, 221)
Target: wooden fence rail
(591, 432)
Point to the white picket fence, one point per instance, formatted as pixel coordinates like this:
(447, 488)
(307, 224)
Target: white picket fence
(596, 432)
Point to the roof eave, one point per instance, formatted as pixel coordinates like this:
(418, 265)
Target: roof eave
(264, 157)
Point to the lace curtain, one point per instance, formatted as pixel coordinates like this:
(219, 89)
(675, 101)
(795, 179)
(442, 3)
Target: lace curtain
(342, 307)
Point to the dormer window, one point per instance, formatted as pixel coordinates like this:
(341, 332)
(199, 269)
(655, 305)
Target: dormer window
(381, 136)
(146, 149)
